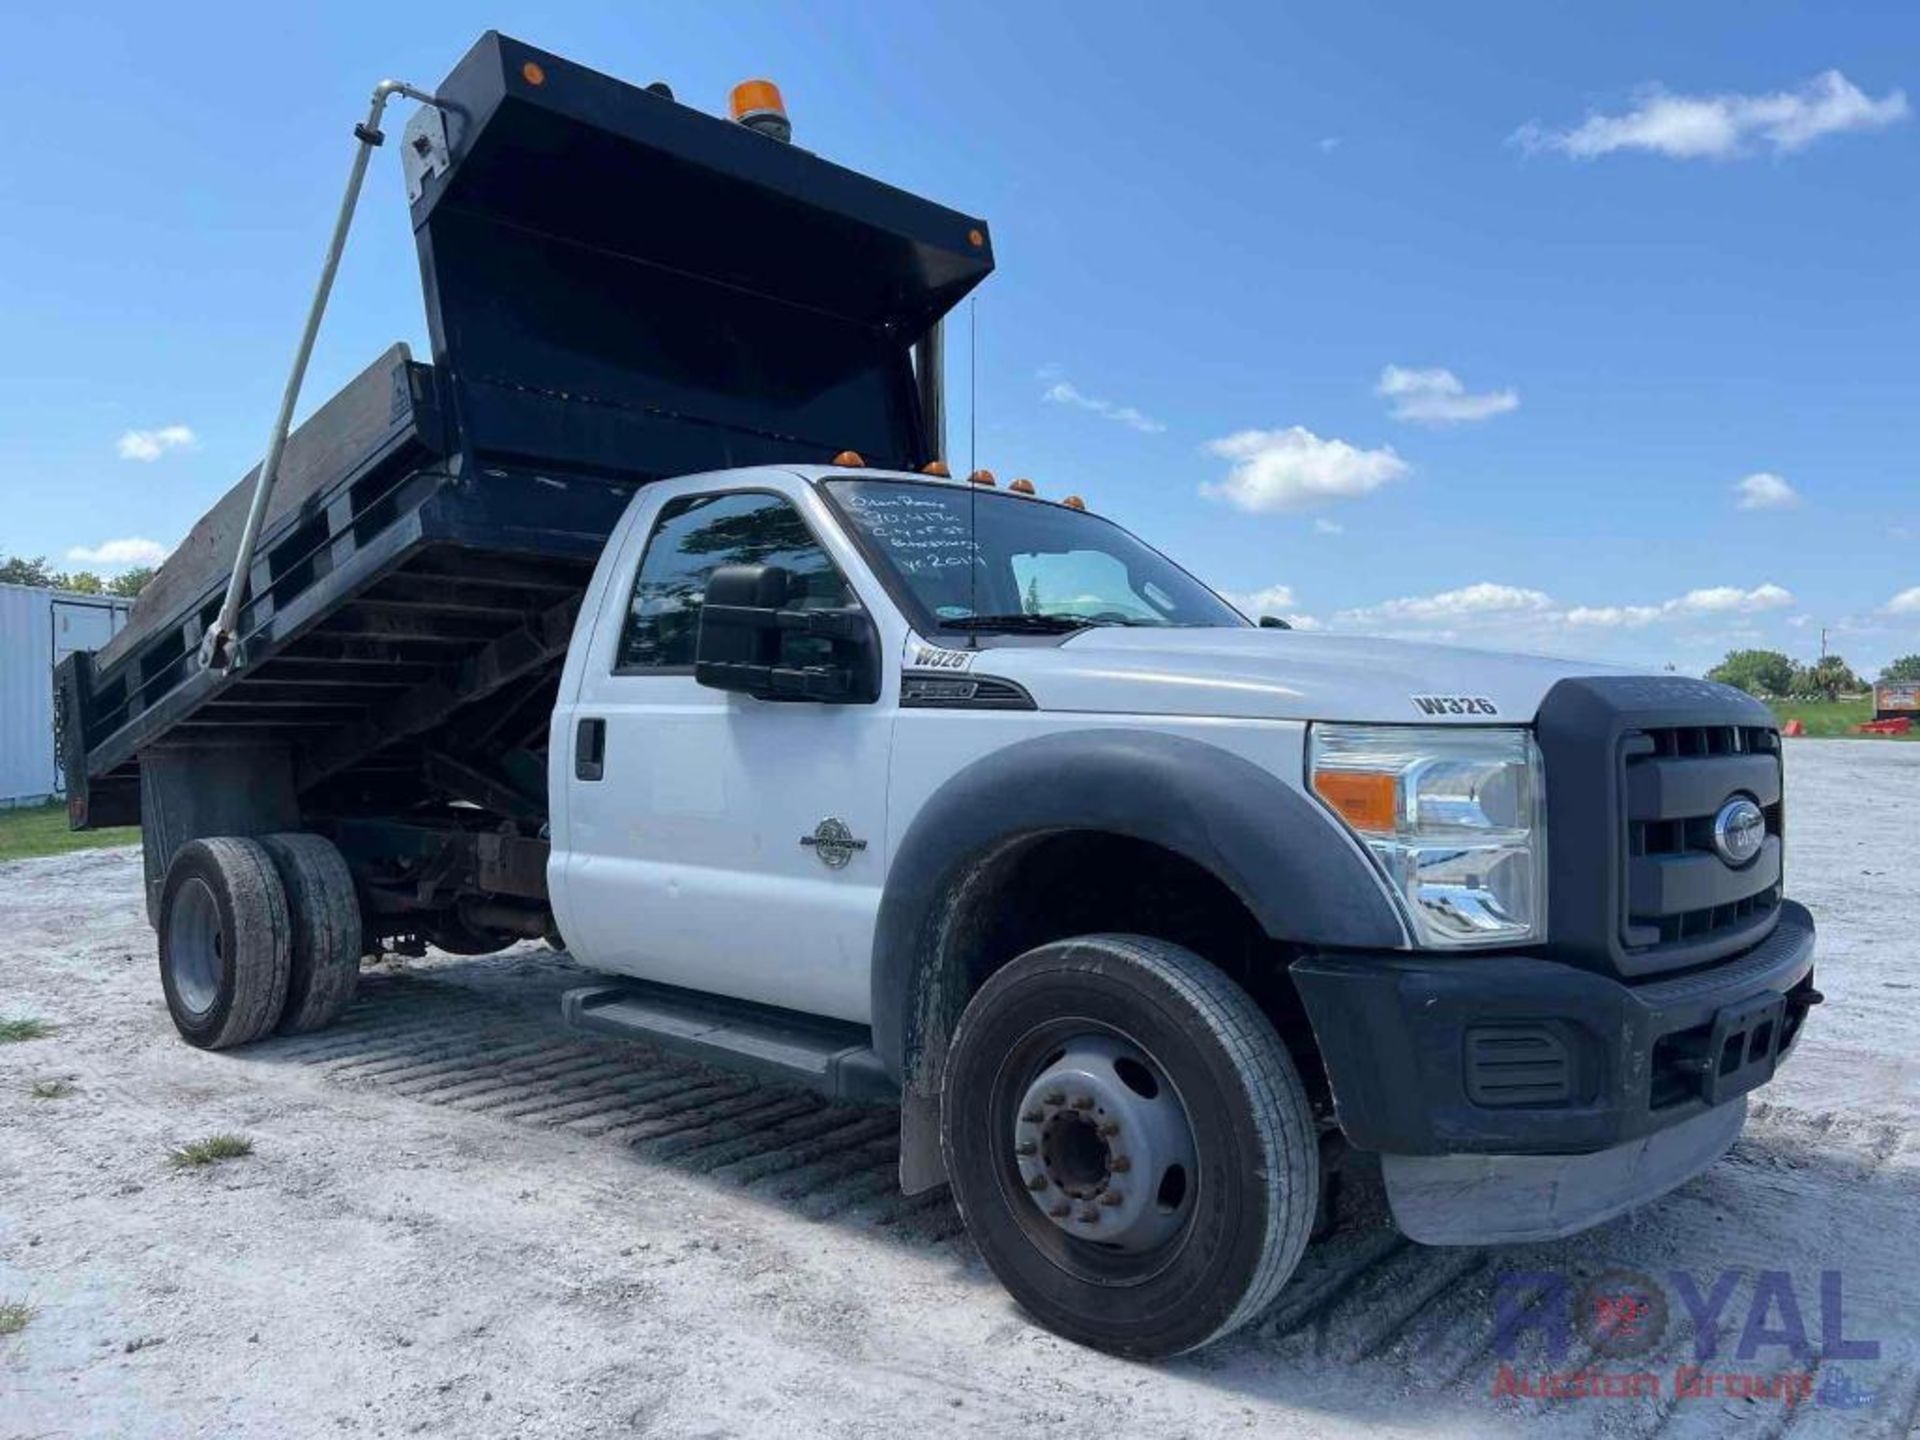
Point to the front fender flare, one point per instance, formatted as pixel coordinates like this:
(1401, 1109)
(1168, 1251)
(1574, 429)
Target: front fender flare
(1301, 877)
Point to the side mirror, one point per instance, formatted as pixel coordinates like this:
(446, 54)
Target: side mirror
(1273, 622)
(746, 620)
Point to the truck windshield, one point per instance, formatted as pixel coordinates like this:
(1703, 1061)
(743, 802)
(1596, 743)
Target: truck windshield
(985, 561)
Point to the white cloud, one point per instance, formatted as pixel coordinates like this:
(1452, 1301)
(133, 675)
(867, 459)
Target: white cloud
(1526, 616)
(1063, 392)
(1274, 600)
(1907, 602)
(1291, 468)
(1718, 127)
(1610, 617)
(1437, 397)
(1270, 601)
(131, 551)
(1324, 526)
(152, 444)
(1730, 599)
(1763, 490)
(1470, 601)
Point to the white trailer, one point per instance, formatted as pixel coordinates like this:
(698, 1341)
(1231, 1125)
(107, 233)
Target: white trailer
(38, 629)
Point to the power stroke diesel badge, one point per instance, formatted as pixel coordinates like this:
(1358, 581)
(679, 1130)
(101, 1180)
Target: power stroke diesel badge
(833, 842)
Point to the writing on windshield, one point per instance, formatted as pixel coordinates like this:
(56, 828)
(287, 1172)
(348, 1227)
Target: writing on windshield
(986, 560)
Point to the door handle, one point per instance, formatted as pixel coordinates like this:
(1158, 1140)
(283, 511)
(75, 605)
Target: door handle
(590, 750)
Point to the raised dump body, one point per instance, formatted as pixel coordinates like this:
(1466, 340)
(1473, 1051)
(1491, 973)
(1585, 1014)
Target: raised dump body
(618, 288)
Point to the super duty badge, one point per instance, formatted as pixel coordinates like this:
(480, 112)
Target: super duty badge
(1455, 705)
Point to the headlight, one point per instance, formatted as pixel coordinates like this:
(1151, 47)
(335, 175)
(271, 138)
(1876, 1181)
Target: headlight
(1455, 817)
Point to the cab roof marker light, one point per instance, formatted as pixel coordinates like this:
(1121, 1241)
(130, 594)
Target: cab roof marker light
(936, 467)
(981, 477)
(1022, 486)
(1074, 502)
(850, 460)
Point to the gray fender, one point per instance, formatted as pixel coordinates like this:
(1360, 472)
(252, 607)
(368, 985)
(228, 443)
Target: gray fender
(1300, 876)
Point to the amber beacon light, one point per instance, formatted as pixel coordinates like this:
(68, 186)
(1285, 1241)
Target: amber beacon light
(757, 105)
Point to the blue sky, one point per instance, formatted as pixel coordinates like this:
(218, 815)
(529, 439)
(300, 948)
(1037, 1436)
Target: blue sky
(1466, 322)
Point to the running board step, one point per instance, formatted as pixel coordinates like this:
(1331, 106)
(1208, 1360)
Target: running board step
(830, 1056)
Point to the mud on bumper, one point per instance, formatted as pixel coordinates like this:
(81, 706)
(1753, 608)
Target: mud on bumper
(1518, 1055)
(1522, 1099)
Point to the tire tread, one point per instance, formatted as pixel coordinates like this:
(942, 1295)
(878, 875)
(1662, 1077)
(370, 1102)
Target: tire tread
(1281, 1115)
(324, 918)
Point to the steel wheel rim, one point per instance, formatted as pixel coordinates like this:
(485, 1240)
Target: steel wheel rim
(196, 946)
(1120, 1225)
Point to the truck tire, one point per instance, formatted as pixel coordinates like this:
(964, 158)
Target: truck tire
(225, 942)
(1129, 1144)
(323, 910)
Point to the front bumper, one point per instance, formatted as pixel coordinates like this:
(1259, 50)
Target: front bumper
(1523, 1056)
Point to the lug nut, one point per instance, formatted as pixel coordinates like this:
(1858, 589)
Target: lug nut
(1059, 1210)
(1112, 1198)
(1026, 1147)
(1037, 1183)
(1032, 1117)
(1109, 1128)
(1054, 1097)
(1120, 1164)
(1089, 1216)
(1083, 1102)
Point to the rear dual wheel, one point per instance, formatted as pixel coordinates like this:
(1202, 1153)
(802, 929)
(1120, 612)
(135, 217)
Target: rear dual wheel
(1129, 1144)
(257, 935)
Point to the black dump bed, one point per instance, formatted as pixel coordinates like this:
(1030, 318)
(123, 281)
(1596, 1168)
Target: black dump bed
(618, 288)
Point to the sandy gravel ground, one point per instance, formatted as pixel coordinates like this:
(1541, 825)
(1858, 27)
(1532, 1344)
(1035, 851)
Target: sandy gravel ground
(461, 1220)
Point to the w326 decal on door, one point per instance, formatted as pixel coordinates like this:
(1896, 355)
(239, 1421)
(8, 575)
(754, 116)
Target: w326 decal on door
(1454, 705)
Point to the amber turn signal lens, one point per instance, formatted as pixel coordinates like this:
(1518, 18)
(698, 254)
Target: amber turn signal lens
(1021, 486)
(533, 74)
(851, 459)
(936, 467)
(981, 477)
(1365, 799)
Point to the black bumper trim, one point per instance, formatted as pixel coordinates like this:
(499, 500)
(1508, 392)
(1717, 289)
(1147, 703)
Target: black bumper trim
(1392, 1030)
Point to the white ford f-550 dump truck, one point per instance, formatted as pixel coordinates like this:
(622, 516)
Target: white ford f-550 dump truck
(917, 790)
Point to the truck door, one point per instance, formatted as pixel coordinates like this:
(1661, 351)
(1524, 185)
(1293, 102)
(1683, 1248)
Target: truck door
(713, 840)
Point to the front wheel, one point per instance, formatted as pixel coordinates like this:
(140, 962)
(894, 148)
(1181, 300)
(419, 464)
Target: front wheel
(1128, 1143)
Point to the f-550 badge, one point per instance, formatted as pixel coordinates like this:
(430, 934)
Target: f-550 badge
(1454, 705)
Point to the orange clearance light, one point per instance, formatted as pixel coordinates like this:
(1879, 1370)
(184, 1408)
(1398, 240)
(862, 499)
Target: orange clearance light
(1365, 799)
(757, 105)
(851, 460)
(1022, 486)
(976, 237)
(533, 74)
(981, 477)
(1074, 502)
(936, 467)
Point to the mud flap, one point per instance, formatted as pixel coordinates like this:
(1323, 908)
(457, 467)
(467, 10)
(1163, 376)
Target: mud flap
(1506, 1199)
(922, 1166)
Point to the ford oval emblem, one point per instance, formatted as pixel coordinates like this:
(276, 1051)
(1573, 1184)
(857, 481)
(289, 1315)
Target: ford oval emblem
(1739, 830)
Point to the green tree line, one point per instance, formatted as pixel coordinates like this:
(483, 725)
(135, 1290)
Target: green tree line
(1773, 674)
(18, 570)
